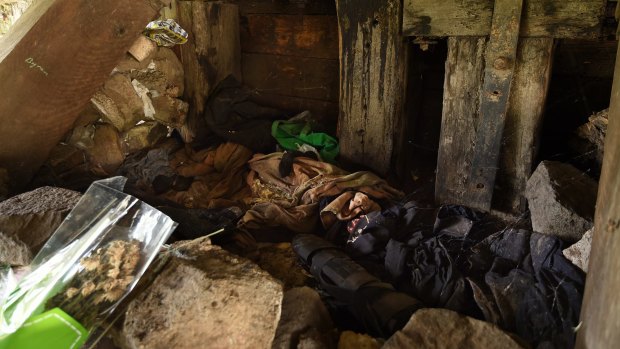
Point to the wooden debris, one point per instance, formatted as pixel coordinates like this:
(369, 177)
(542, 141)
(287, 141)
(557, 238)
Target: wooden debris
(142, 48)
(49, 69)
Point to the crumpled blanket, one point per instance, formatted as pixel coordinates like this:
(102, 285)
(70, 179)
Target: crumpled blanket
(292, 202)
(452, 257)
(218, 173)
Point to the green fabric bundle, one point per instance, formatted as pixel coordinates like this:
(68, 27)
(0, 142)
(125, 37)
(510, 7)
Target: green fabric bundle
(292, 134)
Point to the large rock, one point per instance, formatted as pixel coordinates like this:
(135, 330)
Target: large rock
(13, 252)
(143, 136)
(579, 252)
(561, 200)
(305, 322)
(162, 72)
(106, 154)
(32, 217)
(205, 297)
(446, 329)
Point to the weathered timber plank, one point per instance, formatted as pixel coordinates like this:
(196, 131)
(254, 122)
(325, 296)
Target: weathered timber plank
(49, 73)
(213, 52)
(523, 122)
(324, 111)
(373, 63)
(541, 18)
(500, 58)
(291, 76)
(464, 76)
(291, 7)
(292, 35)
(600, 322)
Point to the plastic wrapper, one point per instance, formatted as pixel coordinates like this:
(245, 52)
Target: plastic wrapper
(87, 267)
(166, 33)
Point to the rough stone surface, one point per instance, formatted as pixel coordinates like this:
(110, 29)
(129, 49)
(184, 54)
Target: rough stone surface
(106, 154)
(170, 111)
(592, 136)
(143, 136)
(33, 216)
(561, 200)
(118, 103)
(446, 329)
(14, 252)
(352, 340)
(282, 263)
(205, 297)
(161, 72)
(579, 252)
(305, 322)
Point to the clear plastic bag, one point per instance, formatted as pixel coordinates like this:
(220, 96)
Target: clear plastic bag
(91, 262)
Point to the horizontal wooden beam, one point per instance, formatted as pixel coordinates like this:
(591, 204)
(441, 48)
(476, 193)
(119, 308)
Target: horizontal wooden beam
(541, 18)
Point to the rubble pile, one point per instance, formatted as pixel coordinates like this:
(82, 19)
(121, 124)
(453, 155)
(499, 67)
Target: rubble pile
(136, 108)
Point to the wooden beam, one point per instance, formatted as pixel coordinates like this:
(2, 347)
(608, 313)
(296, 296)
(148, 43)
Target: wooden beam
(291, 35)
(500, 60)
(464, 76)
(461, 112)
(600, 323)
(211, 54)
(292, 76)
(541, 18)
(52, 62)
(373, 62)
(523, 122)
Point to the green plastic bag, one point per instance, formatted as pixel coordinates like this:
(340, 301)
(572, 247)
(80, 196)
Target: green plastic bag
(291, 135)
(53, 329)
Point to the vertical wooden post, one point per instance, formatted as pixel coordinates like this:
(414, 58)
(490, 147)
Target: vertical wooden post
(464, 73)
(461, 103)
(601, 303)
(373, 63)
(213, 52)
(523, 122)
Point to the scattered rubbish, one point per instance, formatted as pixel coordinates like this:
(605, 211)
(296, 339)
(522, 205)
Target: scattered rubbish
(87, 267)
(166, 33)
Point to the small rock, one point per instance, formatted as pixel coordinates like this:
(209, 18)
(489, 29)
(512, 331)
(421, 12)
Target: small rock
(14, 252)
(143, 136)
(579, 253)
(352, 340)
(205, 297)
(446, 329)
(561, 200)
(106, 154)
(305, 322)
(170, 111)
(33, 216)
(118, 103)
(162, 72)
(142, 48)
(282, 263)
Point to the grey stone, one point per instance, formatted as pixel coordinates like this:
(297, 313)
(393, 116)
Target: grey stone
(33, 216)
(579, 252)
(305, 322)
(14, 252)
(205, 297)
(446, 329)
(561, 200)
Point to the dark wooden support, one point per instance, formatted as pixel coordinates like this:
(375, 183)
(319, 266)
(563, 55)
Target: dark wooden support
(523, 122)
(574, 19)
(464, 75)
(500, 61)
(51, 63)
(211, 53)
(373, 62)
(600, 327)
